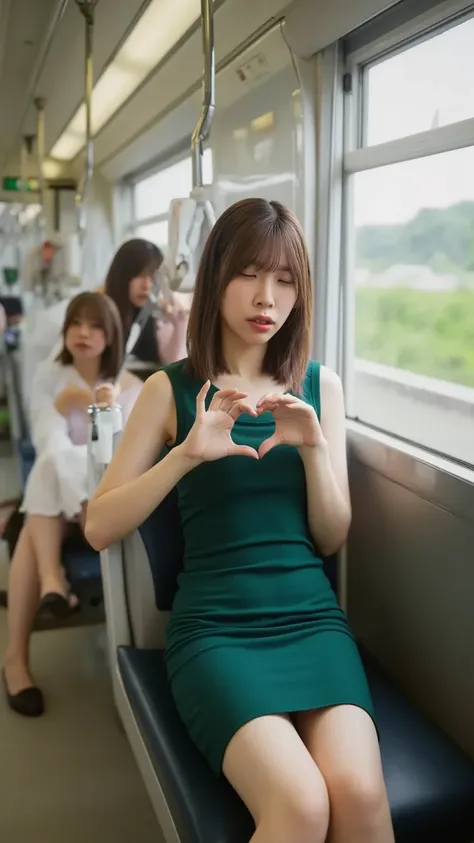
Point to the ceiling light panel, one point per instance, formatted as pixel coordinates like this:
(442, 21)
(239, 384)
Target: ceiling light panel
(162, 24)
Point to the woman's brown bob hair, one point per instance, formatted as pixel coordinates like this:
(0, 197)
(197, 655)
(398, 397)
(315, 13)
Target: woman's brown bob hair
(134, 258)
(98, 308)
(253, 232)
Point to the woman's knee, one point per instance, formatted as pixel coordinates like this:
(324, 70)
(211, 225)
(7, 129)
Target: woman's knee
(343, 742)
(273, 772)
(24, 545)
(359, 795)
(301, 815)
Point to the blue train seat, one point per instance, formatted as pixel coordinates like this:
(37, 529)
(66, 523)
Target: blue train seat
(430, 781)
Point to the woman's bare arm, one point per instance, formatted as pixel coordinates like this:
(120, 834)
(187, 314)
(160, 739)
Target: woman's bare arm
(133, 486)
(329, 507)
(73, 398)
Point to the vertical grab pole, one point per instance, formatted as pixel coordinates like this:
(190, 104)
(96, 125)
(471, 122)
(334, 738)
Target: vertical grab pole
(40, 104)
(26, 150)
(87, 8)
(209, 85)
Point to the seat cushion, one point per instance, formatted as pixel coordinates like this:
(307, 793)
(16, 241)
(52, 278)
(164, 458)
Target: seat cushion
(80, 561)
(204, 809)
(429, 780)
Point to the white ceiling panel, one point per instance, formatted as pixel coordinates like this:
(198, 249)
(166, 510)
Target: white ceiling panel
(62, 81)
(235, 22)
(176, 127)
(62, 77)
(4, 15)
(25, 22)
(22, 27)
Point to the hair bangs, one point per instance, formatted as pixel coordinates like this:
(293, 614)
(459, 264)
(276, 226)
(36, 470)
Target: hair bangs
(269, 246)
(87, 309)
(151, 267)
(93, 308)
(267, 250)
(134, 258)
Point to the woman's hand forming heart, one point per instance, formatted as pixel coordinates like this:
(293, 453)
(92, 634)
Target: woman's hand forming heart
(296, 423)
(210, 437)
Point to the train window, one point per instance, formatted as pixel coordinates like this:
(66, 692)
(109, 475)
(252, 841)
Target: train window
(411, 268)
(157, 232)
(415, 266)
(154, 193)
(427, 85)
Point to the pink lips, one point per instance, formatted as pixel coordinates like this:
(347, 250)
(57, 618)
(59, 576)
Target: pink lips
(262, 324)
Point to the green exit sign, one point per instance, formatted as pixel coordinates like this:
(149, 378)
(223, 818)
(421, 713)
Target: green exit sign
(13, 183)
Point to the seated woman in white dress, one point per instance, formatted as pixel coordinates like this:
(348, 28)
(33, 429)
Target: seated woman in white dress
(57, 488)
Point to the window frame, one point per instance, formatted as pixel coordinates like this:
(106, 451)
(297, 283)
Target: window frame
(359, 157)
(418, 145)
(420, 27)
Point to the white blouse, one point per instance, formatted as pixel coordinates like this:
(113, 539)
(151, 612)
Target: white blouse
(58, 481)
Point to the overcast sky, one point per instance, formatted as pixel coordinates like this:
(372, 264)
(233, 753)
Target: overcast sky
(430, 83)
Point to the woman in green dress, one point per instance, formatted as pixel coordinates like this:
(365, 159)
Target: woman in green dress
(262, 665)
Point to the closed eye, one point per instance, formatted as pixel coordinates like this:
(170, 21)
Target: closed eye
(286, 280)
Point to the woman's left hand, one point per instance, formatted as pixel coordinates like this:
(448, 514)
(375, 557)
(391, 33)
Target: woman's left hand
(106, 394)
(296, 422)
(177, 309)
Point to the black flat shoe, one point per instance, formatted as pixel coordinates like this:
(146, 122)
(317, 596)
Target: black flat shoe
(29, 702)
(54, 605)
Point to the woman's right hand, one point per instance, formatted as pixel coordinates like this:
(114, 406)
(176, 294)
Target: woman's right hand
(106, 394)
(73, 398)
(210, 436)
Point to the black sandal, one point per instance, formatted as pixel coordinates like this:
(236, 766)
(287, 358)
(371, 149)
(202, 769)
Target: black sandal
(29, 702)
(55, 605)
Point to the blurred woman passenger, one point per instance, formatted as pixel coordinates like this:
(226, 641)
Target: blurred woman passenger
(56, 492)
(129, 282)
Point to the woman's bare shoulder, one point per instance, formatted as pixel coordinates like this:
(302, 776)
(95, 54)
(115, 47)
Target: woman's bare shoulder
(156, 401)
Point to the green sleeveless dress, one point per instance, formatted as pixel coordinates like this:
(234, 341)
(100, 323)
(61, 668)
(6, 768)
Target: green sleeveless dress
(255, 627)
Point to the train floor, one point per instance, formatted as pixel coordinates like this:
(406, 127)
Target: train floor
(70, 775)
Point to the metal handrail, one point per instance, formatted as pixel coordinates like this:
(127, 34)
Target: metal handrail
(87, 8)
(40, 104)
(203, 125)
(25, 152)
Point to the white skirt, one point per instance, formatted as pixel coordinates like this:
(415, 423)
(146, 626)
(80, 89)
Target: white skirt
(58, 483)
